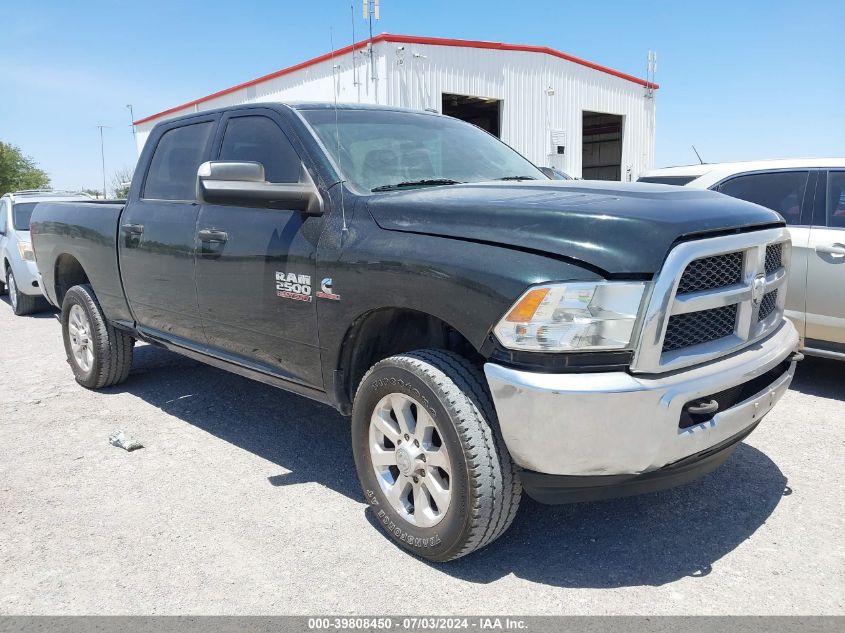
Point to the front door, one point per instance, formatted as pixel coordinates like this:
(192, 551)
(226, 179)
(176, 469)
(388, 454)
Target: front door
(157, 240)
(826, 269)
(255, 267)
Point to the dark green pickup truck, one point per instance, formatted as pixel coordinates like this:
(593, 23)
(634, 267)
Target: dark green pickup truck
(489, 330)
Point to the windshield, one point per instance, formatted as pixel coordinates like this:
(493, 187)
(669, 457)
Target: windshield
(22, 214)
(383, 150)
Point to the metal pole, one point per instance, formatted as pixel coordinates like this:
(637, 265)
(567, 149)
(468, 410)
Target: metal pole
(103, 159)
(132, 121)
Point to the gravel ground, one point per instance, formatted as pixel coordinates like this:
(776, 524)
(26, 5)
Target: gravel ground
(245, 501)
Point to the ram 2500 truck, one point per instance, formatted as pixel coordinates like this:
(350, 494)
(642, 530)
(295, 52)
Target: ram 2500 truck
(488, 330)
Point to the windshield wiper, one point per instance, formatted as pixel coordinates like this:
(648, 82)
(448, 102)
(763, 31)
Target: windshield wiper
(417, 183)
(516, 178)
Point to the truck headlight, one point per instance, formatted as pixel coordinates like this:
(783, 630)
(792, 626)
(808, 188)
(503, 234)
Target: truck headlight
(25, 249)
(562, 317)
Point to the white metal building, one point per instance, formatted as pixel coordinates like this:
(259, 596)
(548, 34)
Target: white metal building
(556, 109)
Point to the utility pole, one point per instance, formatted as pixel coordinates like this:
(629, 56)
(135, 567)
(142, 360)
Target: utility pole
(103, 158)
(132, 121)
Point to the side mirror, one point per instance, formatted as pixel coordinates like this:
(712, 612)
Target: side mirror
(243, 184)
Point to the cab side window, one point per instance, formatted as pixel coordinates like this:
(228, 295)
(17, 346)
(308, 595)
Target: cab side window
(836, 199)
(258, 139)
(173, 169)
(779, 191)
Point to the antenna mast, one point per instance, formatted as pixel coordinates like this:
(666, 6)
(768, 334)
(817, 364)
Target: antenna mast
(371, 10)
(355, 81)
(335, 68)
(651, 71)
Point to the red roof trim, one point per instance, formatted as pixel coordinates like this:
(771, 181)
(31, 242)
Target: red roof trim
(404, 39)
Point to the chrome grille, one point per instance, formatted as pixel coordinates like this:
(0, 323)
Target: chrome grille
(695, 328)
(713, 297)
(768, 305)
(712, 272)
(774, 256)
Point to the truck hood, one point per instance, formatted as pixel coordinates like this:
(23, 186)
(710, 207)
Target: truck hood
(616, 227)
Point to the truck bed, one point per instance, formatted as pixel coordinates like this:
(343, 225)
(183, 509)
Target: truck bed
(86, 232)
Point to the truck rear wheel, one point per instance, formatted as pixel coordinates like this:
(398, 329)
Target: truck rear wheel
(99, 354)
(430, 458)
(21, 304)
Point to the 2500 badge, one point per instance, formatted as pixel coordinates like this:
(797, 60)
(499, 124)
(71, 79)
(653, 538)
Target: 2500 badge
(293, 286)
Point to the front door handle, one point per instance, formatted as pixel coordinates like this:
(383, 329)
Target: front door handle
(133, 229)
(831, 249)
(212, 235)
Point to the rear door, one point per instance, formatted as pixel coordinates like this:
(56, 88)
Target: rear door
(826, 268)
(256, 267)
(157, 241)
(790, 193)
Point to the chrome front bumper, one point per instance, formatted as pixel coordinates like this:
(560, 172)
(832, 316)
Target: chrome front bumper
(617, 423)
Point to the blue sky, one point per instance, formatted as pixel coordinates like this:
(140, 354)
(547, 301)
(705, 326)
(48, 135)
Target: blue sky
(741, 80)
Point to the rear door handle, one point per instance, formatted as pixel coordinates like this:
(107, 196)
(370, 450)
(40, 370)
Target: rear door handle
(212, 235)
(831, 249)
(133, 229)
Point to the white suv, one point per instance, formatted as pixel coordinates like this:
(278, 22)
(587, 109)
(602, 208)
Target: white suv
(19, 272)
(810, 195)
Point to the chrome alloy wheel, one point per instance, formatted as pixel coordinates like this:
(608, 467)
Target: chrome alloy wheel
(410, 460)
(81, 342)
(13, 290)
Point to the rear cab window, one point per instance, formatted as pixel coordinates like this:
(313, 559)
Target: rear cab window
(173, 169)
(781, 191)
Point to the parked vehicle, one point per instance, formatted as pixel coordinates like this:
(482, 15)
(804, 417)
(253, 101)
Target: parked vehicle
(556, 174)
(810, 195)
(487, 329)
(20, 273)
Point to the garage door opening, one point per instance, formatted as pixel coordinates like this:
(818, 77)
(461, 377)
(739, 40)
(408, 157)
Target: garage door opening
(601, 151)
(483, 112)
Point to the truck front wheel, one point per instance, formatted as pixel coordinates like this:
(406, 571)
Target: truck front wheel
(99, 354)
(432, 463)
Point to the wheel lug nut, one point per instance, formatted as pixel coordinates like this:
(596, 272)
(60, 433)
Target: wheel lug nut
(416, 443)
(416, 480)
(407, 437)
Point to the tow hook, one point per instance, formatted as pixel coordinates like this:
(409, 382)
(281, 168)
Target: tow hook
(796, 357)
(703, 407)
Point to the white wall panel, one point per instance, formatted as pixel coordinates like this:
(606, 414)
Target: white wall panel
(415, 76)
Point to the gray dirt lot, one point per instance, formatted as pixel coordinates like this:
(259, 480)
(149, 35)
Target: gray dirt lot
(245, 500)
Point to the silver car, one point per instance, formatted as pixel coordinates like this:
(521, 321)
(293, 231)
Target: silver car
(810, 195)
(20, 274)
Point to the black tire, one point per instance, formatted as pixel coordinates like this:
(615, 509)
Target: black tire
(112, 348)
(484, 485)
(21, 304)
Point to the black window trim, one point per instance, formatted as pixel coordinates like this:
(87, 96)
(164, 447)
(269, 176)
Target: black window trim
(159, 134)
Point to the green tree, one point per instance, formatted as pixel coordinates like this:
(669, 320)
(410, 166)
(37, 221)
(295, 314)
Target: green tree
(18, 171)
